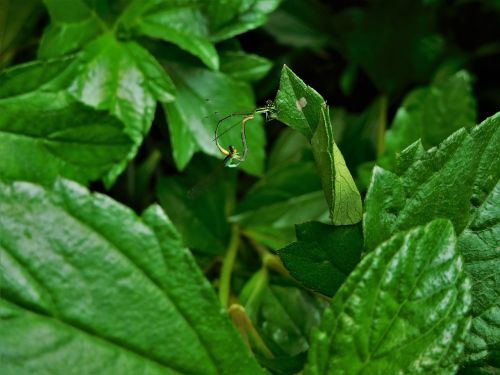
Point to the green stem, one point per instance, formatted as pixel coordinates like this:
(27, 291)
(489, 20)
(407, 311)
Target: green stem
(227, 266)
(247, 330)
(257, 284)
(269, 260)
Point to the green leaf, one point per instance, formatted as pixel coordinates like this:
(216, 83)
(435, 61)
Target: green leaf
(401, 311)
(303, 109)
(198, 203)
(195, 25)
(244, 66)
(291, 152)
(72, 27)
(201, 93)
(458, 180)
(26, 78)
(341, 193)
(323, 255)
(298, 105)
(276, 202)
(285, 318)
(290, 147)
(45, 133)
(118, 76)
(182, 24)
(431, 114)
(228, 19)
(63, 249)
(107, 70)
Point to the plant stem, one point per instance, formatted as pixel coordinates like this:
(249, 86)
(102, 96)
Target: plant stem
(269, 260)
(247, 330)
(227, 266)
(258, 283)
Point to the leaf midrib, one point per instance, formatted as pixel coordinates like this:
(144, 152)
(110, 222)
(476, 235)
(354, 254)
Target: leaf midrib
(148, 277)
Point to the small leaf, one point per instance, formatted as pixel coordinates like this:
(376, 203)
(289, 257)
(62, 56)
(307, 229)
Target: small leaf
(323, 255)
(52, 134)
(244, 66)
(401, 311)
(458, 180)
(285, 318)
(228, 19)
(303, 109)
(431, 114)
(298, 105)
(182, 24)
(107, 69)
(87, 283)
(202, 97)
(290, 147)
(276, 202)
(72, 27)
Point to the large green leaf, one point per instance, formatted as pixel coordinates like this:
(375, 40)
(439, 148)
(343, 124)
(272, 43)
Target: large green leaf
(244, 66)
(202, 97)
(458, 180)
(45, 133)
(117, 75)
(88, 284)
(302, 108)
(401, 311)
(324, 255)
(431, 114)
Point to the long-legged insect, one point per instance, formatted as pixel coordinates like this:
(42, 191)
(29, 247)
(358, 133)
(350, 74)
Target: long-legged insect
(232, 157)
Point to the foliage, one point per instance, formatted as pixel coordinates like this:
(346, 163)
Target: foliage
(357, 239)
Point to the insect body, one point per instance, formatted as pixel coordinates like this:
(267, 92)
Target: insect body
(232, 157)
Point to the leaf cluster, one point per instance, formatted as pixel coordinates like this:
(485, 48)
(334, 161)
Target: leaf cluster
(359, 236)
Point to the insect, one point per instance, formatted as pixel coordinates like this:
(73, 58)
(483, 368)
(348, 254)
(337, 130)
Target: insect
(232, 156)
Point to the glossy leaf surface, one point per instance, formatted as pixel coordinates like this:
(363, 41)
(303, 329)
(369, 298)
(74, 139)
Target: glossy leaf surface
(67, 138)
(402, 310)
(62, 249)
(458, 180)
